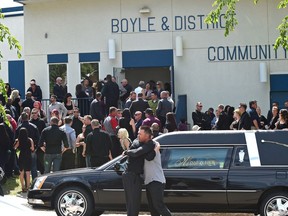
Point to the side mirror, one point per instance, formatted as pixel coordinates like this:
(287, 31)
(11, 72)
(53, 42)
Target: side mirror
(121, 166)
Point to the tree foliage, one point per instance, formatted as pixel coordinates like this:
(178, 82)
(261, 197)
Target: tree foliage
(231, 21)
(6, 37)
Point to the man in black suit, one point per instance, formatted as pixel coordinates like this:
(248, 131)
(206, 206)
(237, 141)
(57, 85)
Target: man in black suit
(59, 90)
(111, 93)
(97, 108)
(139, 105)
(223, 121)
(245, 120)
(35, 90)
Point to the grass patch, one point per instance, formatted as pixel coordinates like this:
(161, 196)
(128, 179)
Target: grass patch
(12, 186)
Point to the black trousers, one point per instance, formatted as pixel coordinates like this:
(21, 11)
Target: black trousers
(40, 160)
(155, 197)
(68, 160)
(80, 160)
(163, 121)
(133, 187)
(116, 148)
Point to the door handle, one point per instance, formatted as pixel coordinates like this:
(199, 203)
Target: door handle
(216, 178)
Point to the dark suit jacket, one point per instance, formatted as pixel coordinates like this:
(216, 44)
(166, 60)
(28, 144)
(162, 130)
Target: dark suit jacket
(223, 122)
(59, 91)
(111, 92)
(37, 94)
(245, 122)
(139, 105)
(97, 110)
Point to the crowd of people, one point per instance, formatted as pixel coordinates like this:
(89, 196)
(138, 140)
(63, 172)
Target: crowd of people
(242, 118)
(96, 127)
(102, 123)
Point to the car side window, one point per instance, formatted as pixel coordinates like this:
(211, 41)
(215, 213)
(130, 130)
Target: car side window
(241, 157)
(197, 158)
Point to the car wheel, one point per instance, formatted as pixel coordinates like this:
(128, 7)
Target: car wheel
(73, 201)
(275, 204)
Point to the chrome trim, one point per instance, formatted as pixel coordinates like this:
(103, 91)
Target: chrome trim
(252, 149)
(193, 191)
(241, 191)
(184, 190)
(118, 190)
(197, 169)
(285, 166)
(48, 189)
(213, 191)
(36, 201)
(201, 145)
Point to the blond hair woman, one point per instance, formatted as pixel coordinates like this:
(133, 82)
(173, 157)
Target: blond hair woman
(123, 136)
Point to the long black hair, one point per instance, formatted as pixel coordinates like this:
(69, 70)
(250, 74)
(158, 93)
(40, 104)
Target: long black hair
(23, 137)
(78, 89)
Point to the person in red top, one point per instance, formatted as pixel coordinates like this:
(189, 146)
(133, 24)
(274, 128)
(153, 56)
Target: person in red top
(12, 122)
(110, 124)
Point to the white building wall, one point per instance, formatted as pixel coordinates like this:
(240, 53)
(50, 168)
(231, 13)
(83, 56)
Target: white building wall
(85, 26)
(16, 27)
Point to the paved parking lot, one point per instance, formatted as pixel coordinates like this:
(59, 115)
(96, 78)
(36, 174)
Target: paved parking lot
(17, 205)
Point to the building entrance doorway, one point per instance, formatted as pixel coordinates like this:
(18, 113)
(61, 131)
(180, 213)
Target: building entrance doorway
(148, 74)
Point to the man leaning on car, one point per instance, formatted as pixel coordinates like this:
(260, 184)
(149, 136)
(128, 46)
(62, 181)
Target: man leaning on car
(53, 137)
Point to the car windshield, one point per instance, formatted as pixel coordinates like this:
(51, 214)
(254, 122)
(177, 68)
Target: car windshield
(104, 166)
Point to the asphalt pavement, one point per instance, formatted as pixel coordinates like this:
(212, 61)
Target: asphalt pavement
(17, 205)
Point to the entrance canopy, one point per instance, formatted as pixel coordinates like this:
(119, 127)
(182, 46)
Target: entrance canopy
(147, 58)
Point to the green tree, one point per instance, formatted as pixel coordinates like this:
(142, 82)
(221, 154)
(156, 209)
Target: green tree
(6, 37)
(229, 6)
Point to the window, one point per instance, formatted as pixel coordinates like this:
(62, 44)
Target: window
(197, 158)
(90, 70)
(57, 70)
(241, 158)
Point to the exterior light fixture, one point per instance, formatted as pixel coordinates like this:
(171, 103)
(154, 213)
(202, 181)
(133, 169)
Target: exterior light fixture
(145, 10)
(263, 72)
(179, 46)
(111, 49)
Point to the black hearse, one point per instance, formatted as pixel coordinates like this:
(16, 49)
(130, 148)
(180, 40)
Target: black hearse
(221, 171)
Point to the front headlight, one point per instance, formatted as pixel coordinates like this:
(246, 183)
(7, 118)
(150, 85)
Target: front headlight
(39, 182)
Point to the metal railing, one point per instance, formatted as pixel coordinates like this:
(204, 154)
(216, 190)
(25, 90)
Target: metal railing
(83, 104)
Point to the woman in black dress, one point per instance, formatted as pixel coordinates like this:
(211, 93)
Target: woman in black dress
(26, 147)
(83, 101)
(4, 146)
(171, 124)
(68, 103)
(283, 120)
(127, 122)
(16, 101)
(274, 119)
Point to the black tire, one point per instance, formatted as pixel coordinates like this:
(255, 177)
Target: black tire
(274, 202)
(75, 200)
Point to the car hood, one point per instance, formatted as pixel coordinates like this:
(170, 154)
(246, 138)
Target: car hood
(72, 172)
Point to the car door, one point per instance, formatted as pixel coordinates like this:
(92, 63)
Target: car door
(245, 182)
(110, 187)
(196, 177)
